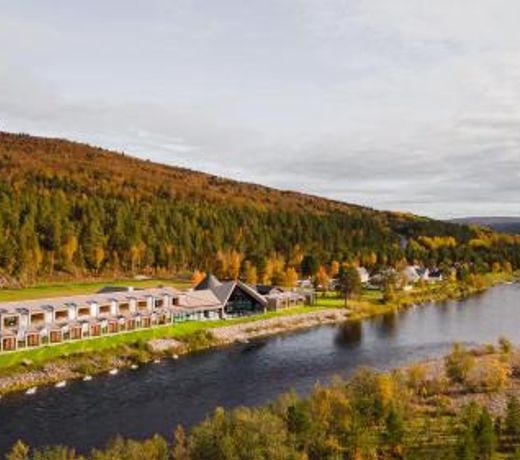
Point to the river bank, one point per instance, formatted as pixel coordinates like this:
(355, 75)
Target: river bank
(68, 368)
(155, 398)
(172, 341)
(426, 410)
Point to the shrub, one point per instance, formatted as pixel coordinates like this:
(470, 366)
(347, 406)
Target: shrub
(489, 375)
(458, 363)
(506, 347)
(512, 421)
(199, 340)
(416, 378)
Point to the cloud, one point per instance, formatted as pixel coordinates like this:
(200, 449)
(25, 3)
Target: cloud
(402, 105)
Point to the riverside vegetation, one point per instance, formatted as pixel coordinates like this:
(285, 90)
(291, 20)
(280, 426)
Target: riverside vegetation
(26, 368)
(464, 406)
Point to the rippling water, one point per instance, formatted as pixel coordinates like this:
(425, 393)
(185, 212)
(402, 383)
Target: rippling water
(154, 398)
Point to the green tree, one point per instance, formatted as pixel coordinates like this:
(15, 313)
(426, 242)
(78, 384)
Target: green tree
(309, 266)
(512, 421)
(393, 435)
(466, 446)
(485, 436)
(349, 282)
(506, 347)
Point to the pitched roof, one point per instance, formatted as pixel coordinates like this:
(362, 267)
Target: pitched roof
(203, 298)
(209, 282)
(224, 290)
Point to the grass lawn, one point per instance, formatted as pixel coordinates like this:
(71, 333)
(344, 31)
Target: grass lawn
(50, 290)
(43, 354)
(368, 304)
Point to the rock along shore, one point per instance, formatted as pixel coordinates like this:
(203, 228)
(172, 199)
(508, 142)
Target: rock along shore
(54, 372)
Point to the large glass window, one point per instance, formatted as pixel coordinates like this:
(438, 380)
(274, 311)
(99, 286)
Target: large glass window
(37, 318)
(83, 311)
(62, 315)
(11, 321)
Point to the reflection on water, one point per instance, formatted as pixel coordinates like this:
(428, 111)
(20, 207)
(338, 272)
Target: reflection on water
(154, 398)
(349, 334)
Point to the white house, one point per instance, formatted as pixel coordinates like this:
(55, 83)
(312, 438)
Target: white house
(364, 276)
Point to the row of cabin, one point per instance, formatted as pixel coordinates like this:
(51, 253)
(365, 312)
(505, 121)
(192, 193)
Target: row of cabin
(39, 322)
(34, 323)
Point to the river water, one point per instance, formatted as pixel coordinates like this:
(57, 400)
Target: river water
(156, 397)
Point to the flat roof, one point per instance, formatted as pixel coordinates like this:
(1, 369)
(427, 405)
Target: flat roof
(40, 305)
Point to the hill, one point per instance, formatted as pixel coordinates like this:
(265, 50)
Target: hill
(497, 223)
(72, 209)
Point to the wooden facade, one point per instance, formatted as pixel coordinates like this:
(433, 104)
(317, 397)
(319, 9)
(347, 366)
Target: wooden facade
(33, 323)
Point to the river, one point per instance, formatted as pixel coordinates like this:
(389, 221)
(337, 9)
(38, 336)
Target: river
(156, 397)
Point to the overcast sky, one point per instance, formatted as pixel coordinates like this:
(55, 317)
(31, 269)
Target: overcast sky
(398, 104)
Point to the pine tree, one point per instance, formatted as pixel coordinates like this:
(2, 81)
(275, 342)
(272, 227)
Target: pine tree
(512, 421)
(485, 437)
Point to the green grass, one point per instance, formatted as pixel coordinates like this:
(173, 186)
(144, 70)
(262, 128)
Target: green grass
(50, 290)
(116, 341)
(368, 304)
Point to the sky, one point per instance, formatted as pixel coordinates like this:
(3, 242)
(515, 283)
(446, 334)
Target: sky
(409, 105)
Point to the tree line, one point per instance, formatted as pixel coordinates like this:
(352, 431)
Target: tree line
(404, 414)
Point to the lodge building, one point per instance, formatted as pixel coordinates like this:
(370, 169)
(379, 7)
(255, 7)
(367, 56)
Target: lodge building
(34, 323)
(39, 322)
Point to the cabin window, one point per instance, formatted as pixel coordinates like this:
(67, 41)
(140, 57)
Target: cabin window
(37, 318)
(83, 311)
(142, 305)
(104, 309)
(55, 336)
(75, 333)
(33, 340)
(175, 301)
(62, 315)
(124, 307)
(11, 321)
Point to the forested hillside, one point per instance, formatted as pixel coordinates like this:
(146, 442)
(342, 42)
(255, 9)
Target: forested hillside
(69, 208)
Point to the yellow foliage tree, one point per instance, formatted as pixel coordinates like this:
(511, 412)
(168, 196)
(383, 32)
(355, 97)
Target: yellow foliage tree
(250, 273)
(197, 277)
(70, 247)
(291, 277)
(323, 278)
(99, 257)
(334, 268)
(235, 260)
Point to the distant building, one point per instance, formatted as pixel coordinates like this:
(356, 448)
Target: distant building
(305, 283)
(364, 276)
(411, 274)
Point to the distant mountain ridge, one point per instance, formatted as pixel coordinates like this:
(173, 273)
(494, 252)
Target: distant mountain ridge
(506, 224)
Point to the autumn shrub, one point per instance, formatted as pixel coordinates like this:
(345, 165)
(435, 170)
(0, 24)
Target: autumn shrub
(416, 378)
(489, 375)
(458, 364)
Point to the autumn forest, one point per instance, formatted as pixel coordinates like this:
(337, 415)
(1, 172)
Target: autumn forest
(69, 209)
